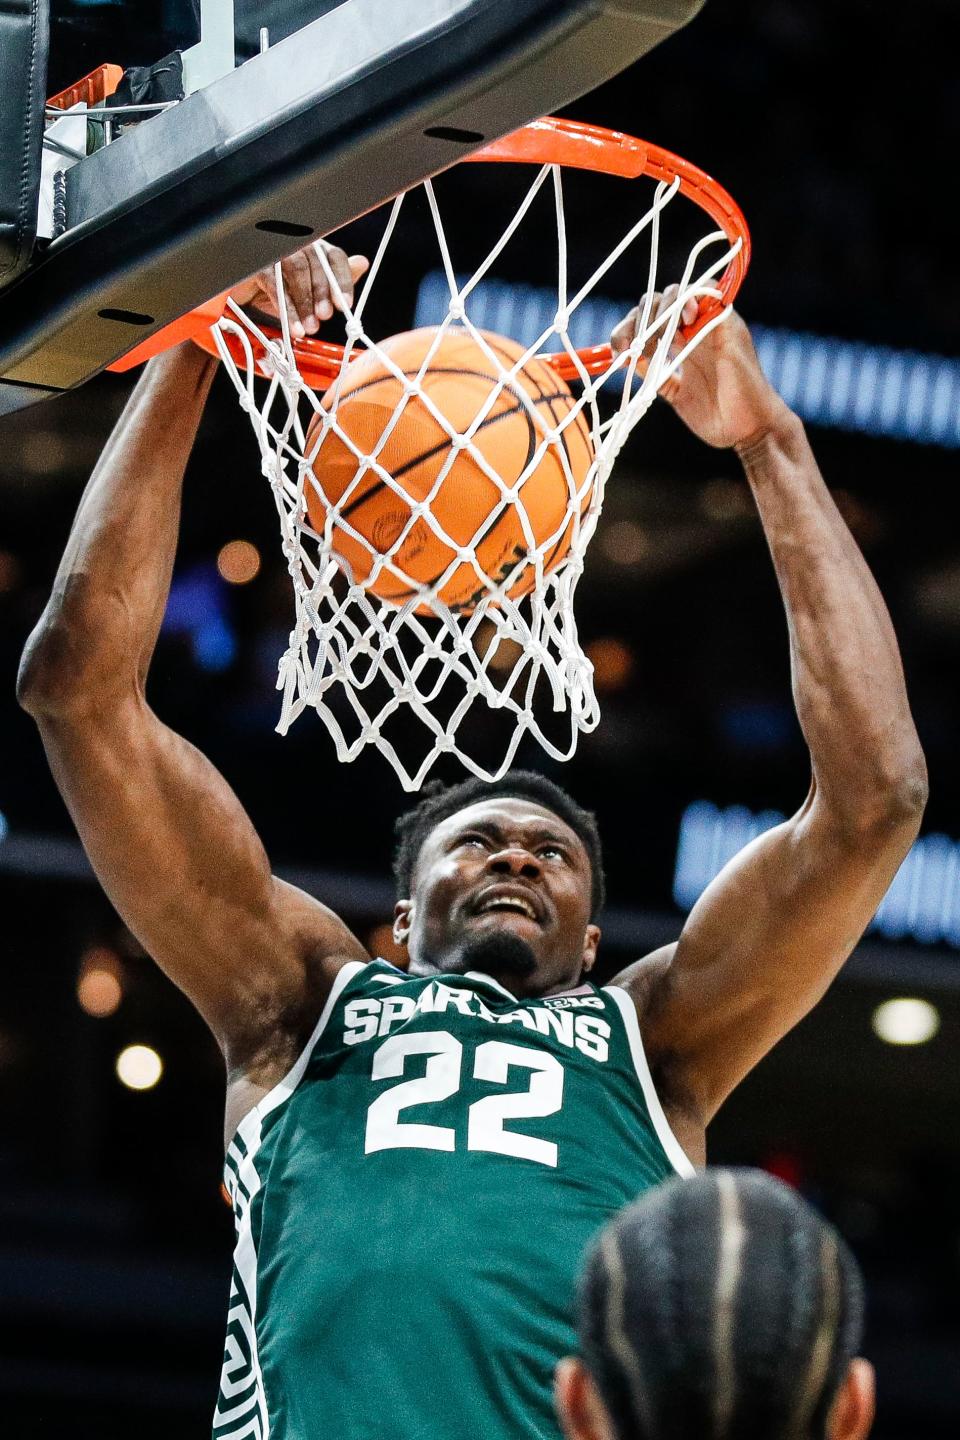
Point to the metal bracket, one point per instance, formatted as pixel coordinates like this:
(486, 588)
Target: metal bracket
(214, 54)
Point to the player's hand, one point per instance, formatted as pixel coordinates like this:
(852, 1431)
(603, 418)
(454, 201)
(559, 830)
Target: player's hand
(307, 292)
(720, 392)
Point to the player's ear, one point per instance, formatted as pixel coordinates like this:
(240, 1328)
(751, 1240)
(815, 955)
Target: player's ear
(851, 1415)
(580, 1410)
(591, 942)
(402, 920)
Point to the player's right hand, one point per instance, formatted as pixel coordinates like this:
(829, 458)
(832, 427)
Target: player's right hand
(307, 293)
(720, 392)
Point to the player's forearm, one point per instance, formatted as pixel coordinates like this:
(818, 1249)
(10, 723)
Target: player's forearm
(101, 623)
(848, 679)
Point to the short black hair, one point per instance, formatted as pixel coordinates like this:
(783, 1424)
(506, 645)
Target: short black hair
(438, 801)
(720, 1308)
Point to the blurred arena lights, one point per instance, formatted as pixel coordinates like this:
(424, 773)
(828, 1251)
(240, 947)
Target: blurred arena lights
(612, 663)
(907, 1020)
(139, 1067)
(922, 903)
(4, 827)
(725, 500)
(624, 542)
(44, 452)
(99, 983)
(197, 606)
(505, 653)
(239, 562)
(786, 1166)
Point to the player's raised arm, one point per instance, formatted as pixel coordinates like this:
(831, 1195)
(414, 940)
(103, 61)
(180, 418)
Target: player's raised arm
(767, 937)
(167, 837)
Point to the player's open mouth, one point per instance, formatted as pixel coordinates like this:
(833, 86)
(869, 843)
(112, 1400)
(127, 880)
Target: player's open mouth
(508, 903)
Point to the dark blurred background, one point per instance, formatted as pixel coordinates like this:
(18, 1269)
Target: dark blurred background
(833, 126)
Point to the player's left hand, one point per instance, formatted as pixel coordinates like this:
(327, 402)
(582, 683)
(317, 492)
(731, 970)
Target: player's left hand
(308, 294)
(720, 392)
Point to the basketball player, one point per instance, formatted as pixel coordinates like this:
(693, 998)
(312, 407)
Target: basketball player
(418, 1159)
(720, 1307)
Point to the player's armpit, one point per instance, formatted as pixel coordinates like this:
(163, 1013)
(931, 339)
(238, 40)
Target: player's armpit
(763, 943)
(179, 858)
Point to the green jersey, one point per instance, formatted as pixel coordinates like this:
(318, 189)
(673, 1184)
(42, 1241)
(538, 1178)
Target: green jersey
(413, 1202)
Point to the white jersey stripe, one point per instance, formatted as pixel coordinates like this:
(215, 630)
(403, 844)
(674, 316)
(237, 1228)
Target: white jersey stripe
(243, 1311)
(243, 1182)
(671, 1145)
(226, 1419)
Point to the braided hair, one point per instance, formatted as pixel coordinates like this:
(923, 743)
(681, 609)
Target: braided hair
(720, 1308)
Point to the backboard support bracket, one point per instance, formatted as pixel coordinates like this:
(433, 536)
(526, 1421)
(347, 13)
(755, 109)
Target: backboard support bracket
(213, 55)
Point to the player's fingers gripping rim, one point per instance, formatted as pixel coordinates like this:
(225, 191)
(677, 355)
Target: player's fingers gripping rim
(688, 315)
(296, 293)
(652, 309)
(659, 305)
(308, 295)
(623, 333)
(320, 301)
(343, 274)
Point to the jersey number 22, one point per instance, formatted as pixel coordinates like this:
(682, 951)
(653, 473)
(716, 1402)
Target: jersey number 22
(485, 1118)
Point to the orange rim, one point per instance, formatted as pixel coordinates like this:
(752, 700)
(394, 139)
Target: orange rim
(549, 141)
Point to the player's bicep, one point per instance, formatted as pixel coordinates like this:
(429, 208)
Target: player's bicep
(764, 942)
(180, 860)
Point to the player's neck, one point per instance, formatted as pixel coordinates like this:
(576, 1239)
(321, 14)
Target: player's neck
(520, 987)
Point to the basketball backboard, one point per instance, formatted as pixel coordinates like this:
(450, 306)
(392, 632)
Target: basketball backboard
(295, 118)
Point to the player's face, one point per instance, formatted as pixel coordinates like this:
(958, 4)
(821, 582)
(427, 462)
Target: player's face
(503, 886)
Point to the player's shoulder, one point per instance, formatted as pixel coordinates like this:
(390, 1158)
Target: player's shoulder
(644, 979)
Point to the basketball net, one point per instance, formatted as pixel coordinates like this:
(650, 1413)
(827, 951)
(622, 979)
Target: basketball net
(369, 666)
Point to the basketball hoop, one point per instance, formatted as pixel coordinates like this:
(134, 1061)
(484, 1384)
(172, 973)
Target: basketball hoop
(367, 663)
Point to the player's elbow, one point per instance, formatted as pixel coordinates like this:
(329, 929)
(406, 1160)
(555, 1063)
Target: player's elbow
(904, 796)
(50, 680)
(893, 807)
(885, 799)
(907, 800)
(35, 677)
(79, 655)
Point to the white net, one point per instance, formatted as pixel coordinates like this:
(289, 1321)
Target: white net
(418, 675)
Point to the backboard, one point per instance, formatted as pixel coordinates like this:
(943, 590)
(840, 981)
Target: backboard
(294, 119)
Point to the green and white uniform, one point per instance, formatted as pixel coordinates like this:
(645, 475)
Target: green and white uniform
(412, 1205)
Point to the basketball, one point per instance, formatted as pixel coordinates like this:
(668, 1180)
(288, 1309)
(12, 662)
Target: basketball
(468, 506)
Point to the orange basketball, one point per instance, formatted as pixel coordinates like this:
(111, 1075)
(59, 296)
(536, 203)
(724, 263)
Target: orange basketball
(458, 382)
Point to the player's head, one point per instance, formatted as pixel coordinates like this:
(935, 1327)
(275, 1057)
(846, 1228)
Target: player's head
(718, 1308)
(506, 878)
